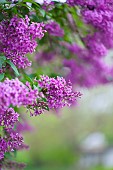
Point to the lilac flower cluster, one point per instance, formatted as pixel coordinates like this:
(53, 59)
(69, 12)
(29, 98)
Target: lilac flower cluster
(54, 29)
(13, 93)
(88, 74)
(54, 93)
(9, 164)
(9, 142)
(18, 37)
(8, 118)
(88, 61)
(90, 70)
(91, 3)
(43, 57)
(58, 92)
(102, 20)
(99, 14)
(48, 5)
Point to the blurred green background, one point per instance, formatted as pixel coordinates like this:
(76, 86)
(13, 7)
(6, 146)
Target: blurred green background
(76, 138)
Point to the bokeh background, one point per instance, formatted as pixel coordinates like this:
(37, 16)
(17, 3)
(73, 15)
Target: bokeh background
(76, 138)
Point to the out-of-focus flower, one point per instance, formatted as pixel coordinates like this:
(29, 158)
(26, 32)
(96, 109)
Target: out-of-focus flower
(54, 29)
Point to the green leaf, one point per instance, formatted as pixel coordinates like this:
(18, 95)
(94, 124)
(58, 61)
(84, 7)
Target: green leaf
(8, 155)
(46, 108)
(27, 78)
(42, 12)
(15, 153)
(35, 87)
(1, 131)
(13, 67)
(1, 16)
(3, 57)
(2, 60)
(2, 76)
(44, 99)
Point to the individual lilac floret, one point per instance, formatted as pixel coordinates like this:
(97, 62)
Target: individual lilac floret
(18, 37)
(54, 29)
(58, 92)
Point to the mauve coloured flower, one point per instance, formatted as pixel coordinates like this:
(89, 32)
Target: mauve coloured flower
(58, 92)
(54, 29)
(87, 66)
(43, 57)
(8, 117)
(48, 5)
(11, 141)
(3, 147)
(53, 94)
(12, 165)
(87, 74)
(18, 37)
(14, 92)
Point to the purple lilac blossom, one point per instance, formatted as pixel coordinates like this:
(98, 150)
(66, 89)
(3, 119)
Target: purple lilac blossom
(8, 118)
(88, 62)
(48, 5)
(23, 126)
(18, 37)
(3, 147)
(56, 93)
(54, 29)
(101, 18)
(59, 93)
(11, 141)
(102, 21)
(85, 68)
(9, 164)
(86, 74)
(95, 46)
(99, 14)
(88, 2)
(14, 92)
(44, 57)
